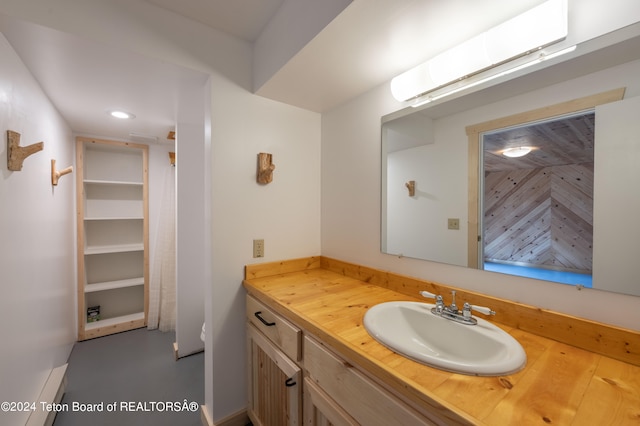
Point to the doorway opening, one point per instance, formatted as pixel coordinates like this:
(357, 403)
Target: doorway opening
(537, 199)
(475, 133)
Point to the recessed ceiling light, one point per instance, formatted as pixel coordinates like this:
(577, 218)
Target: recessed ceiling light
(121, 114)
(519, 151)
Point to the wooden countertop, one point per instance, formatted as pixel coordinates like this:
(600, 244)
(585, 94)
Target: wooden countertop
(560, 385)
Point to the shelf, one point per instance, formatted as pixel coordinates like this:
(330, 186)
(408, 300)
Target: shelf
(138, 316)
(113, 249)
(109, 201)
(107, 267)
(110, 285)
(103, 218)
(115, 218)
(111, 182)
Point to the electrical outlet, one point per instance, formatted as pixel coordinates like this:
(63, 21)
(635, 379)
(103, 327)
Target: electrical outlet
(454, 223)
(258, 248)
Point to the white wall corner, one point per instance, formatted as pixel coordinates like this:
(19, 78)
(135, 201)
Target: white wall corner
(295, 24)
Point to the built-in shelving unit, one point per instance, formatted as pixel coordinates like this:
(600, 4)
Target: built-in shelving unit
(113, 237)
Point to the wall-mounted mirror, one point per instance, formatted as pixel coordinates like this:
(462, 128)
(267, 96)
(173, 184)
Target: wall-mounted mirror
(563, 213)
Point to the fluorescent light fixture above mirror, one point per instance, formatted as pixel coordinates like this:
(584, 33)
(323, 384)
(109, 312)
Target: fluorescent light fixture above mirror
(520, 36)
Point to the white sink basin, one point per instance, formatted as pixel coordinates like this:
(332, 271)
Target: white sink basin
(410, 329)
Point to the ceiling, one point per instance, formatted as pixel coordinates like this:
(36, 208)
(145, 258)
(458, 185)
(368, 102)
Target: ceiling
(244, 19)
(558, 142)
(365, 46)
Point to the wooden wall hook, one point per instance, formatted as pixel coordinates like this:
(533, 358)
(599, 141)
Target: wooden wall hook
(411, 186)
(55, 174)
(265, 168)
(16, 153)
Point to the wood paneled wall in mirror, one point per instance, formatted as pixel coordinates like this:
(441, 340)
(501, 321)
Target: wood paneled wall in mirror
(537, 206)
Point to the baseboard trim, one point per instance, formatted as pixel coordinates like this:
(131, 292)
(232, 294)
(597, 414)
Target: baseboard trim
(205, 417)
(177, 355)
(237, 419)
(52, 392)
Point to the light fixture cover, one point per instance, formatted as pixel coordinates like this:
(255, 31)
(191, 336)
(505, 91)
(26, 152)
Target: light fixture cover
(519, 151)
(121, 114)
(538, 27)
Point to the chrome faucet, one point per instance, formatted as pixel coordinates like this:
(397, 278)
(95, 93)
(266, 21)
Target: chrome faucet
(452, 313)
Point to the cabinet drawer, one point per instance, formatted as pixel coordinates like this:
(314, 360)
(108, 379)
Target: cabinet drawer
(281, 332)
(361, 398)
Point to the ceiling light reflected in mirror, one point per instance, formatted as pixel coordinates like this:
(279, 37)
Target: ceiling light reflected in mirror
(519, 151)
(123, 115)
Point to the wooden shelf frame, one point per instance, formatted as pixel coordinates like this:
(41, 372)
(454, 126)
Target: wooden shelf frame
(86, 248)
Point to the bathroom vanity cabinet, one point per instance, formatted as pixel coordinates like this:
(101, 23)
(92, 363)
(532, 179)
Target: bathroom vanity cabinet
(112, 236)
(333, 391)
(577, 372)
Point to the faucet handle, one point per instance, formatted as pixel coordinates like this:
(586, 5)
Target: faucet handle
(481, 309)
(427, 294)
(439, 303)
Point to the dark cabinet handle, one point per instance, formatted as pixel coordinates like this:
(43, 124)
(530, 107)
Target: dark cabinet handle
(262, 320)
(289, 382)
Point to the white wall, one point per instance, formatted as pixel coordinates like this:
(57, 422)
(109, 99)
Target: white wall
(294, 25)
(617, 154)
(285, 213)
(191, 237)
(350, 223)
(417, 226)
(37, 243)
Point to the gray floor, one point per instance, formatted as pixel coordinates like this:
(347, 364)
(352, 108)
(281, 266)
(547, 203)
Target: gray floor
(135, 375)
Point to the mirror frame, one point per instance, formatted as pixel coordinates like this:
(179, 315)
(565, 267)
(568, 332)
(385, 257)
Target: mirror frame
(474, 135)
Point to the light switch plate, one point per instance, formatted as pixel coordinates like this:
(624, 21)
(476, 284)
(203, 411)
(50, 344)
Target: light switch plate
(454, 223)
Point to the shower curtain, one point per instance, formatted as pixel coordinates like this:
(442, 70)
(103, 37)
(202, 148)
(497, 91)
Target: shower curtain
(162, 288)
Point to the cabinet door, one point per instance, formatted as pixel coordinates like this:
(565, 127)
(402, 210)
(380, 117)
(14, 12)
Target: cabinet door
(275, 383)
(321, 410)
